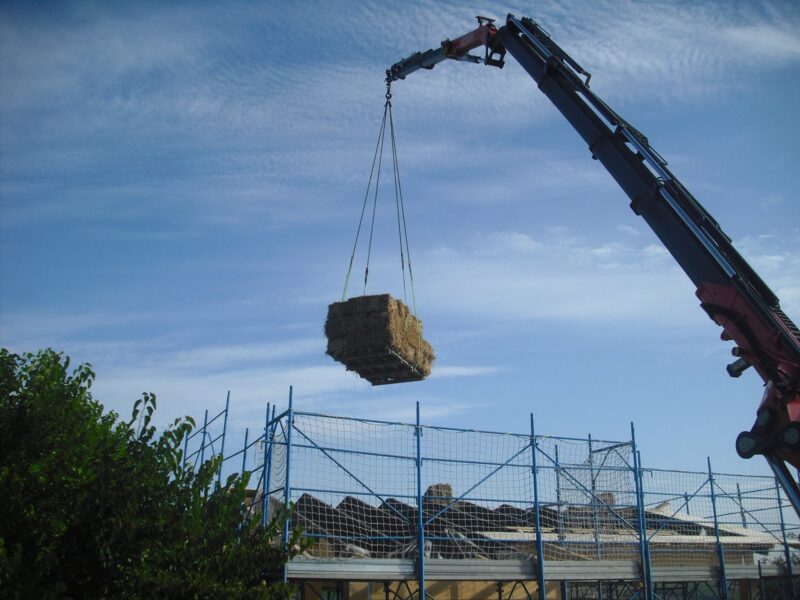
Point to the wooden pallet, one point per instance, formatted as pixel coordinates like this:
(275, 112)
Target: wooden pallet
(382, 367)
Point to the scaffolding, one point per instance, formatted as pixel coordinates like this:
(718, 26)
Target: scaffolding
(395, 508)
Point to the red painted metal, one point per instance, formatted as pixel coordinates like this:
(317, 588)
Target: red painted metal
(458, 47)
(761, 345)
(764, 348)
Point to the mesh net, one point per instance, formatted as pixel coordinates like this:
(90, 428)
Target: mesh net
(588, 500)
(276, 453)
(478, 494)
(682, 527)
(749, 508)
(354, 486)
(678, 511)
(206, 441)
(361, 490)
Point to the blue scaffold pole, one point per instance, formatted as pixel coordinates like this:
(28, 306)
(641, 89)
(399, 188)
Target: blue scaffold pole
(273, 429)
(647, 579)
(287, 488)
(723, 580)
(265, 473)
(203, 440)
(420, 522)
(222, 445)
(786, 554)
(537, 517)
(244, 451)
(558, 499)
(595, 520)
(741, 506)
(186, 447)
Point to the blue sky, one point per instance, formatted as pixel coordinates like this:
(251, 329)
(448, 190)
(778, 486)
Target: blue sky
(180, 186)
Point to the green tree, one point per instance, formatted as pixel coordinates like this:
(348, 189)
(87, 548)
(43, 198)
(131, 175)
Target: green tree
(95, 507)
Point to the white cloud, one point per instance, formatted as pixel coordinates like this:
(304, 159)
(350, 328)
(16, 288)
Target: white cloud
(228, 357)
(673, 52)
(562, 278)
(628, 230)
(777, 262)
(505, 241)
(778, 42)
(216, 82)
(188, 380)
(443, 371)
(262, 131)
(193, 119)
(325, 389)
(24, 331)
(186, 393)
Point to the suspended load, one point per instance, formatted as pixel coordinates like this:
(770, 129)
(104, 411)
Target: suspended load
(378, 338)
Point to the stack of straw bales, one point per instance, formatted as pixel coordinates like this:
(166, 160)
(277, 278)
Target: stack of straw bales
(365, 328)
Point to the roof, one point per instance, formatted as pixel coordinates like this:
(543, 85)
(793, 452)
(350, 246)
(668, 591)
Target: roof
(465, 530)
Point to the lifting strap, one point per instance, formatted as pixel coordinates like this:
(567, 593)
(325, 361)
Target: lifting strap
(401, 211)
(378, 150)
(402, 229)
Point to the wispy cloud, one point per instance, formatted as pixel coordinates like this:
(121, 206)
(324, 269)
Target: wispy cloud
(675, 51)
(628, 230)
(776, 259)
(509, 277)
(217, 358)
(323, 387)
(557, 273)
(28, 330)
(181, 92)
(188, 378)
(463, 371)
(172, 177)
(777, 43)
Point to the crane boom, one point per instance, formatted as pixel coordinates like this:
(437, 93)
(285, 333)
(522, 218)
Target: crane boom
(730, 291)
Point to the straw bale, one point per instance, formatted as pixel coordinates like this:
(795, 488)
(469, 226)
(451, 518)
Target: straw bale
(360, 305)
(439, 492)
(367, 325)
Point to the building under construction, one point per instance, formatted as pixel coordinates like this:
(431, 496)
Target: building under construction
(393, 508)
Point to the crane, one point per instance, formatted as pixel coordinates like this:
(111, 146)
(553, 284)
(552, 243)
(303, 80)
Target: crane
(732, 294)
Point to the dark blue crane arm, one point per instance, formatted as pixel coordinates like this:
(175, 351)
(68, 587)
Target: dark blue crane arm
(730, 291)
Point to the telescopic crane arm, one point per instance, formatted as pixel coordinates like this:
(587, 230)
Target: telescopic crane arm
(730, 291)
(457, 49)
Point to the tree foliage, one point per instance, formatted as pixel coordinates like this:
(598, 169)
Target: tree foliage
(93, 506)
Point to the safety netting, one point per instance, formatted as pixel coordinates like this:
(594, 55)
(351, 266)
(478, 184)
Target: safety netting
(384, 490)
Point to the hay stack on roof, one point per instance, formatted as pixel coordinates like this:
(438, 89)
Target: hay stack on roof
(378, 338)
